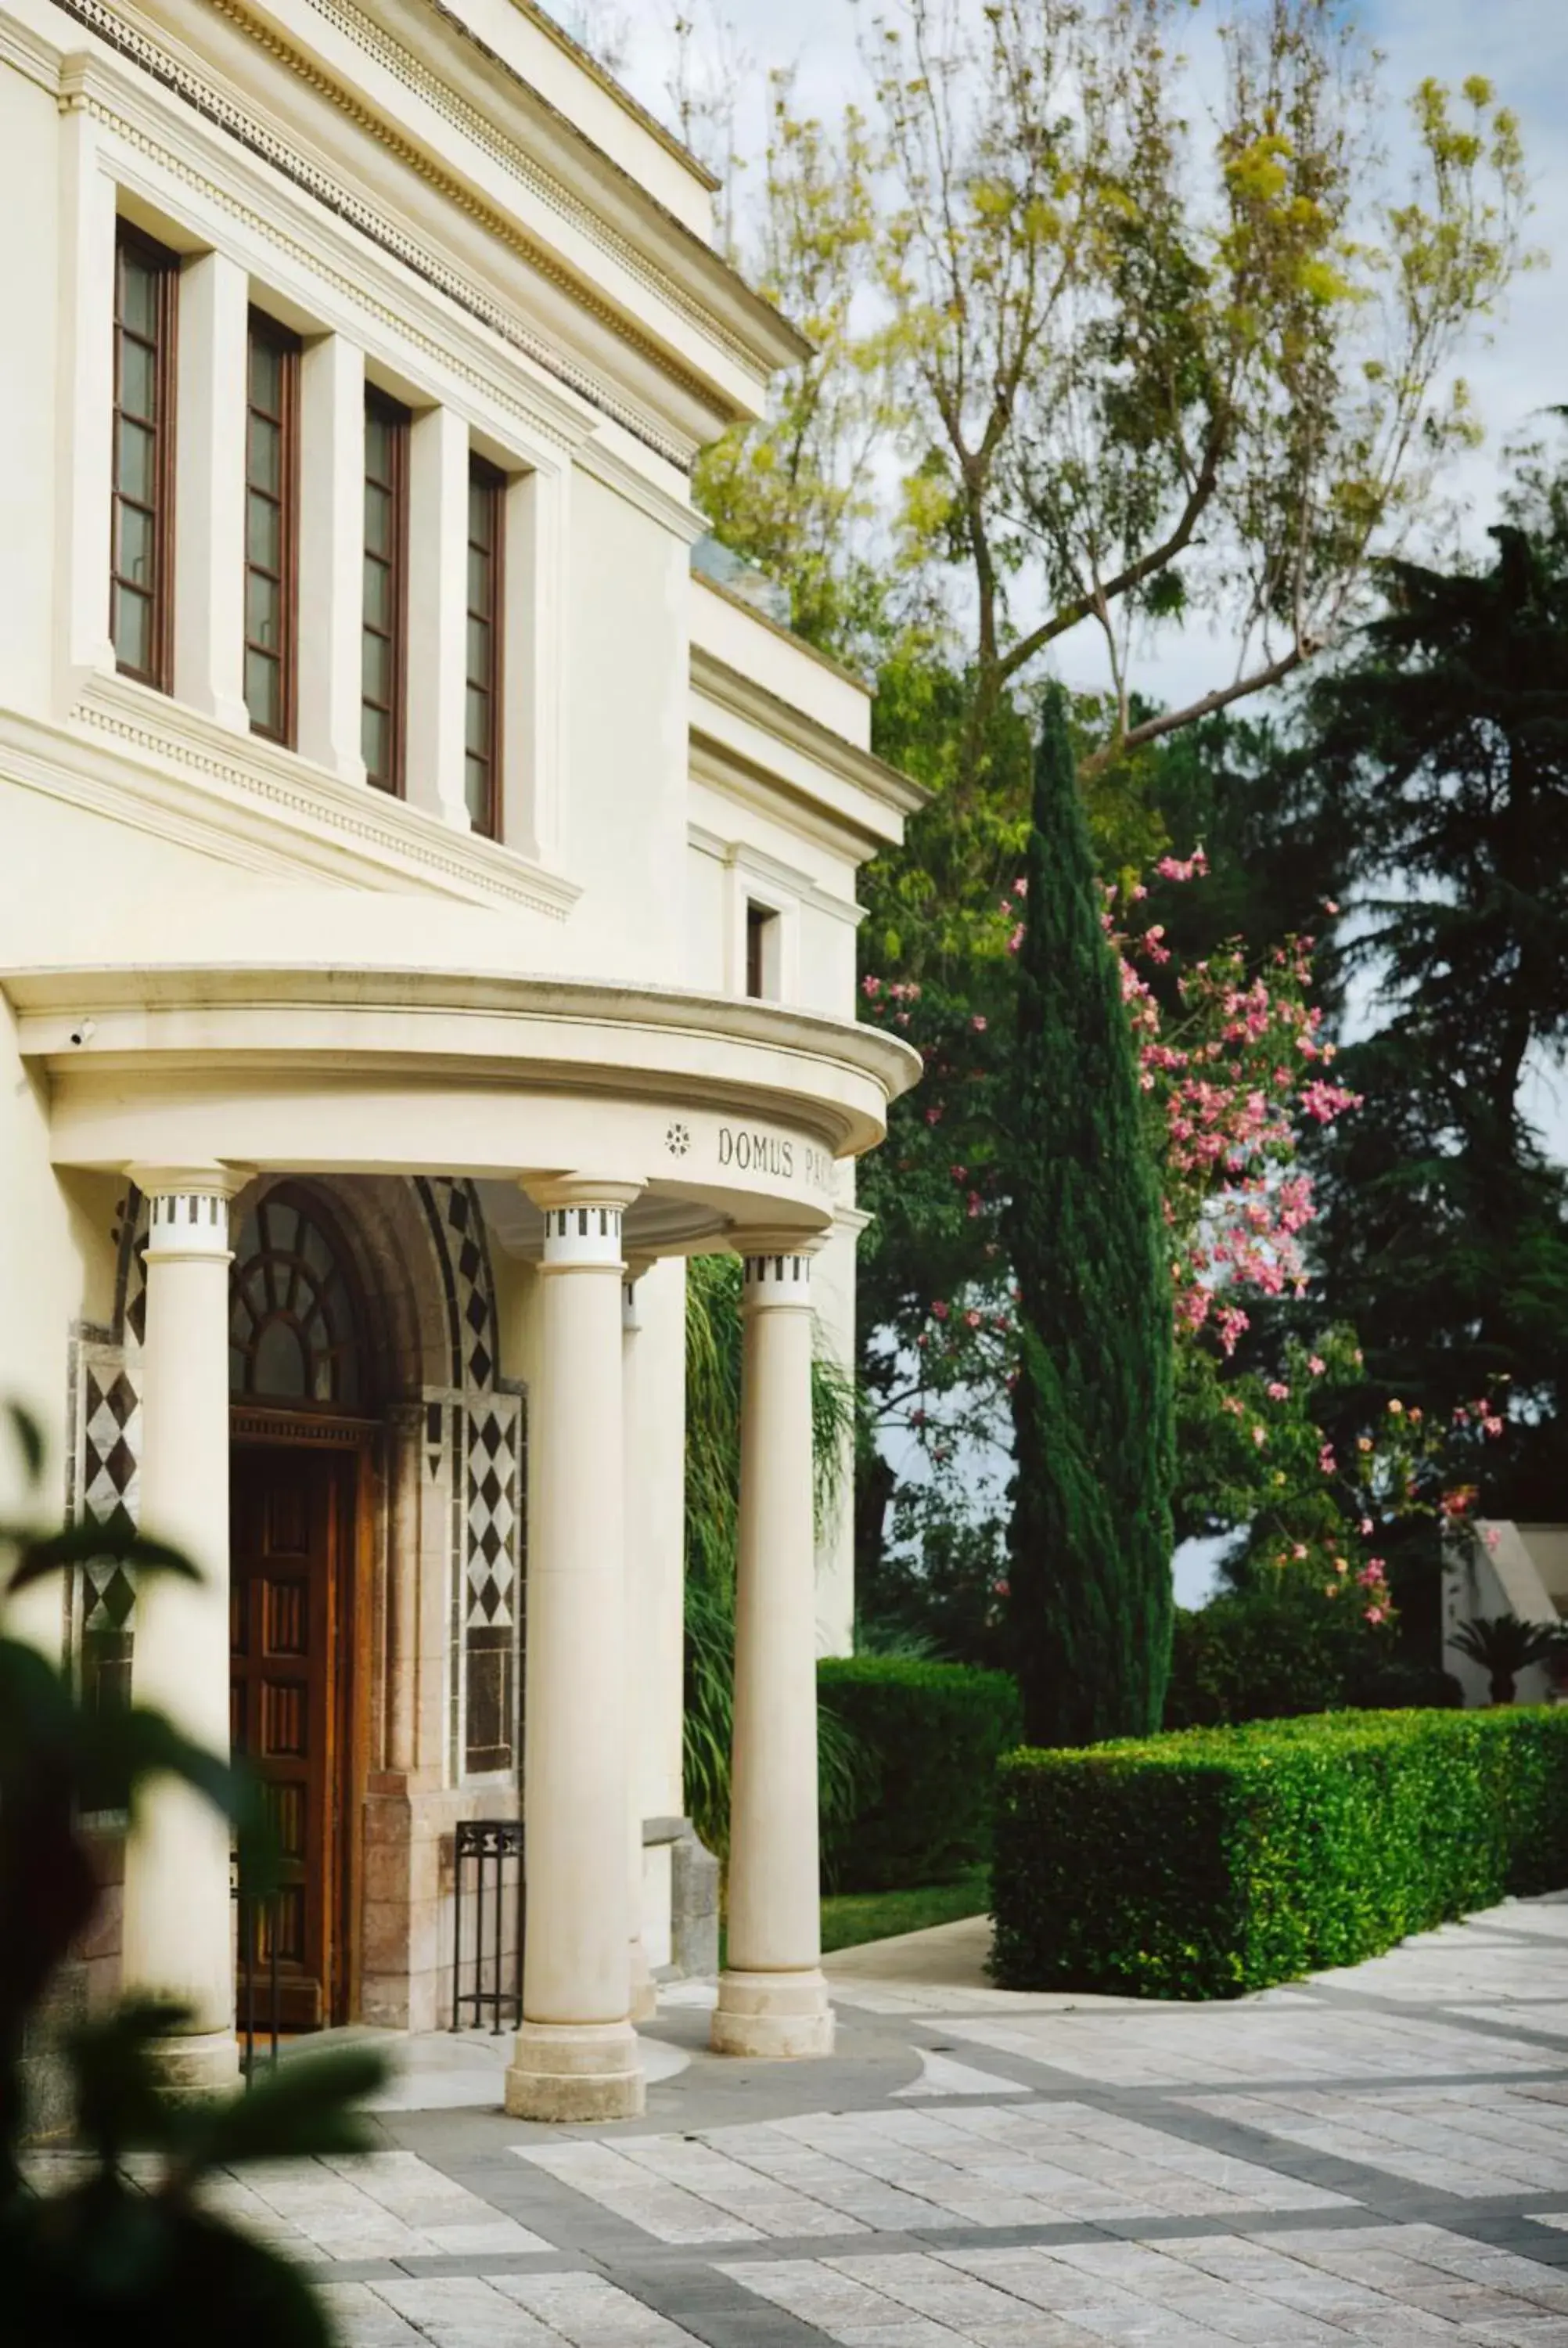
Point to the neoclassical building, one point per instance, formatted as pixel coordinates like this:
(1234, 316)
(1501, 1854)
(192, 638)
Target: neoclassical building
(427, 907)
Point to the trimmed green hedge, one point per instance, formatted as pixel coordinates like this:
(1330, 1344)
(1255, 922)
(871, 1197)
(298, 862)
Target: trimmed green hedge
(927, 1736)
(1219, 1860)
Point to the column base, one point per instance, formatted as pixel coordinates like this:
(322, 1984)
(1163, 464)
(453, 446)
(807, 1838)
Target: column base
(205, 2063)
(775, 2017)
(575, 2071)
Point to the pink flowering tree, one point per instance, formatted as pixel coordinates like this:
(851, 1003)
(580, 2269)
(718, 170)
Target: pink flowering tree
(1235, 1071)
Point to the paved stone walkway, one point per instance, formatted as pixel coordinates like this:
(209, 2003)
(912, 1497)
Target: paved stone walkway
(1378, 2155)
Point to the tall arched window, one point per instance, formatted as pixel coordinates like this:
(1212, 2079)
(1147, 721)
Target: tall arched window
(293, 1325)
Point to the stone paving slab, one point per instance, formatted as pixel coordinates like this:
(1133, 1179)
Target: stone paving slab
(1378, 2155)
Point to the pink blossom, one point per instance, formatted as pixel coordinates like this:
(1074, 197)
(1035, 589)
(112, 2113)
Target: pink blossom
(1277, 1391)
(1316, 1365)
(1491, 1536)
(1376, 1614)
(869, 986)
(938, 1311)
(971, 1319)
(1325, 1461)
(1396, 1408)
(1260, 1436)
(978, 1023)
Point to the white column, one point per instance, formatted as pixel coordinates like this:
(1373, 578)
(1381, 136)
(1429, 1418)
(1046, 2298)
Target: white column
(644, 1996)
(331, 552)
(178, 1937)
(86, 444)
(773, 1999)
(576, 2056)
(209, 489)
(438, 612)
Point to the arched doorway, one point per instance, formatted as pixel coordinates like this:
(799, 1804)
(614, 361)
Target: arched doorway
(302, 1453)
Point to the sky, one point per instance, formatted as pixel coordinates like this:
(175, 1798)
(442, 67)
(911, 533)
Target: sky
(1521, 369)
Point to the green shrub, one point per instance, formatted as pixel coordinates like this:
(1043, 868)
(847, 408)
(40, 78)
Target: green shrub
(1220, 1860)
(927, 1735)
(1271, 1654)
(1255, 1656)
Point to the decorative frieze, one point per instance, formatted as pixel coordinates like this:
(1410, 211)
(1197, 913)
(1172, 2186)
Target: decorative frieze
(582, 1235)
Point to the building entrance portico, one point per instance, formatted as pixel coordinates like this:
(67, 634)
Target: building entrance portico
(431, 1221)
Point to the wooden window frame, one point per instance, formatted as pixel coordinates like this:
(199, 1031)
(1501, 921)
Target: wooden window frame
(165, 265)
(393, 412)
(489, 477)
(260, 327)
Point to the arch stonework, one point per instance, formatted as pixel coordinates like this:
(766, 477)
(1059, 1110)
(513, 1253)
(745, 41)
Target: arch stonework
(420, 1255)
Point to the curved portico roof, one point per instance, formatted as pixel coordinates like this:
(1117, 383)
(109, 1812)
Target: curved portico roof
(735, 1105)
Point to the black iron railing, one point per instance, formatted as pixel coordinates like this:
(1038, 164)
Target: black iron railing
(491, 1852)
(257, 1973)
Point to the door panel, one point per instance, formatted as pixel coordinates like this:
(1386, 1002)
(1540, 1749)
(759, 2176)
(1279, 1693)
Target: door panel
(290, 1513)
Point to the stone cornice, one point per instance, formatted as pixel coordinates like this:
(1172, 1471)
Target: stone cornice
(741, 857)
(141, 760)
(729, 690)
(586, 62)
(599, 195)
(90, 78)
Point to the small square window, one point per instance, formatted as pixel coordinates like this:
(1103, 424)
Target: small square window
(761, 953)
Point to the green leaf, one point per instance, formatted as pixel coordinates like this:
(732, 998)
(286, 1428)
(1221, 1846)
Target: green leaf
(50, 1552)
(303, 2108)
(29, 1437)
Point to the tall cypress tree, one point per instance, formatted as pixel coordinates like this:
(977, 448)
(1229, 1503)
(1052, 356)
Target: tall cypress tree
(1094, 1444)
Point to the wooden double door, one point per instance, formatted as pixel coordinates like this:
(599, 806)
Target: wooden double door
(293, 1512)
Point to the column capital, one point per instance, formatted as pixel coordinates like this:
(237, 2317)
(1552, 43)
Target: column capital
(548, 1190)
(584, 1221)
(778, 1269)
(204, 1177)
(188, 1208)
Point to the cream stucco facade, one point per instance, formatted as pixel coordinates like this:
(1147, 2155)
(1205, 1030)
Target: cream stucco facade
(426, 917)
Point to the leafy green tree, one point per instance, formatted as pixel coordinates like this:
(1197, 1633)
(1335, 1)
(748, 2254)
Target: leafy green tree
(1092, 1432)
(1444, 1234)
(104, 2257)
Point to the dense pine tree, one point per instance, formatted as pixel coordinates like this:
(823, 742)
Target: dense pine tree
(1091, 1573)
(1445, 1235)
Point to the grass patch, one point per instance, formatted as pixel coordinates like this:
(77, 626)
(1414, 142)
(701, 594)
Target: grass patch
(848, 1918)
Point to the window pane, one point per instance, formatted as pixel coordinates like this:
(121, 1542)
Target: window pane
(377, 521)
(283, 1225)
(377, 596)
(133, 545)
(481, 512)
(262, 611)
(376, 669)
(279, 1368)
(377, 445)
(132, 629)
(263, 465)
(376, 743)
(478, 668)
(266, 375)
(134, 460)
(138, 377)
(137, 293)
(263, 532)
(477, 791)
(476, 721)
(263, 698)
(480, 571)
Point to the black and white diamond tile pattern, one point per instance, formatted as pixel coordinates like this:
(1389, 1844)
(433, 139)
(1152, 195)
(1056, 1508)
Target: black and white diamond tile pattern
(492, 1516)
(453, 1209)
(110, 1476)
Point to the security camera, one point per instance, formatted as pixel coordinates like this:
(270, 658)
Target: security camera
(83, 1029)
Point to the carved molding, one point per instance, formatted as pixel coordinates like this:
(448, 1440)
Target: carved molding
(215, 107)
(240, 800)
